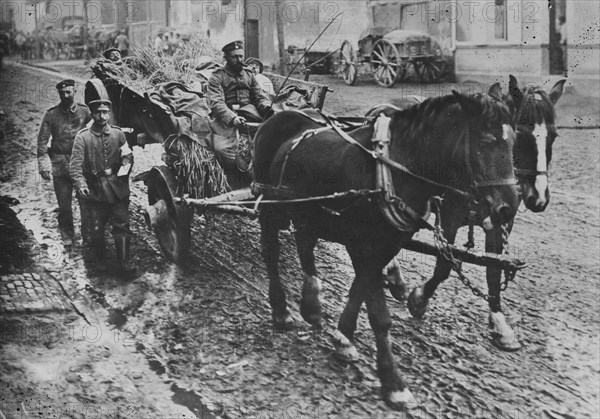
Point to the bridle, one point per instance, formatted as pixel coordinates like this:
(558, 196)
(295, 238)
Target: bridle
(526, 173)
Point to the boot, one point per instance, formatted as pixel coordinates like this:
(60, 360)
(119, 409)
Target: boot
(94, 253)
(124, 267)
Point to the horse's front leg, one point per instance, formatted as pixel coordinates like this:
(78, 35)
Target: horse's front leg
(310, 304)
(343, 337)
(419, 297)
(393, 388)
(503, 336)
(270, 251)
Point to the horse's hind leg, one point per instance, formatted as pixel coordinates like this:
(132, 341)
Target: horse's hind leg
(502, 334)
(310, 304)
(270, 251)
(419, 297)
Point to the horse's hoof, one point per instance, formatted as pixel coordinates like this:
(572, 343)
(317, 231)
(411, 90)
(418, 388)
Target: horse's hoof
(310, 305)
(344, 349)
(399, 292)
(506, 343)
(503, 336)
(283, 321)
(311, 313)
(393, 276)
(417, 303)
(401, 400)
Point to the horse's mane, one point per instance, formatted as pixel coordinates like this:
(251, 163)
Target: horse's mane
(536, 107)
(415, 122)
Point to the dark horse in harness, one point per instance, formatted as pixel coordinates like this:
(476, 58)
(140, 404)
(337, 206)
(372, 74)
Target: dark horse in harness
(466, 134)
(533, 111)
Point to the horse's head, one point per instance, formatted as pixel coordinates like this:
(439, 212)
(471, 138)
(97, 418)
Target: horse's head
(533, 110)
(489, 150)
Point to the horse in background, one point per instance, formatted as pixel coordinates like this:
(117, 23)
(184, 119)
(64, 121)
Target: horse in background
(296, 156)
(534, 116)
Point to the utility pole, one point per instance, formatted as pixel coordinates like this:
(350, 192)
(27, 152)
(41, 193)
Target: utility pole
(280, 35)
(38, 38)
(85, 24)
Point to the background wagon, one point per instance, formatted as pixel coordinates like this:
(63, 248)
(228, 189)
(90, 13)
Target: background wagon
(392, 52)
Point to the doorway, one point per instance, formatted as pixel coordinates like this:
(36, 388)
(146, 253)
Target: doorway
(252, 38)
(558, 37)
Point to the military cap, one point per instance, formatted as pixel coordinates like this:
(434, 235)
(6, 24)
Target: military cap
(65, 83)
(253, 60)
(95, 105)
(108, 51)
(232, 46)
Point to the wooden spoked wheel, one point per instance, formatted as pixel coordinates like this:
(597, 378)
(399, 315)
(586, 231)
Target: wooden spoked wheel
(386, 63)
(171, 222)
(348, 68)
(428, 70)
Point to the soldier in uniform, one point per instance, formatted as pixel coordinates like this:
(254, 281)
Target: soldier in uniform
(61, 123)
(113, 55)
(234, 97)
(100, 168)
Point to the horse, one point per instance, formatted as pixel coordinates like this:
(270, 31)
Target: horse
(296, 156)
(533, 111)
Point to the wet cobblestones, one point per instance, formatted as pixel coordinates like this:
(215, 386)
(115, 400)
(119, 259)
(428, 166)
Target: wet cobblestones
(31, 292)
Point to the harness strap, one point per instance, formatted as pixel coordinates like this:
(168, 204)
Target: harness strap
(530, 172)
(395, 164)
(306, 134)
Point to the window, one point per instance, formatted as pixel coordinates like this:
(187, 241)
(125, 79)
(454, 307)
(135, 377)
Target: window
(500, 20)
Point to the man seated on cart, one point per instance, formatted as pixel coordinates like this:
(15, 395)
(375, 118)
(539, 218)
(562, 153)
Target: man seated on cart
(234, 97)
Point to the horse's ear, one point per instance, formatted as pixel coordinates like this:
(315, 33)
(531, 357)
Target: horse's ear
(515, 92)
(557, 91)
(495, 91)
(469, 105)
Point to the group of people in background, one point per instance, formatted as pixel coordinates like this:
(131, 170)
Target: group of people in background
(167, 43)
(46, 44)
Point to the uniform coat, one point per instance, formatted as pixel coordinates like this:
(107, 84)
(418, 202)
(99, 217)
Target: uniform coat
(98, 153)
(61, 124)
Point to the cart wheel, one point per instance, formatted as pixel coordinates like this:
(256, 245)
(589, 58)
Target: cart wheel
(171, 222)
(386, 63)
(429, 71)
(347, 67)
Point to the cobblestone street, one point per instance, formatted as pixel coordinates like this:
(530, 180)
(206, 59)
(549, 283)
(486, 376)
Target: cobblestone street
(196, 340)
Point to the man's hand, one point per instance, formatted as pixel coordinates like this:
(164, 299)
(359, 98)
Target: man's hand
(45, 174)
(239, 121)
(84, 192)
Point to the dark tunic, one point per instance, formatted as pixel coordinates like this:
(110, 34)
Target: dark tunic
(61, 124)
(227, 88)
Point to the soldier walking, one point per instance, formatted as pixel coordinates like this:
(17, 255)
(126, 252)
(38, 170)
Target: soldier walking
(61, 123)
(100, 168)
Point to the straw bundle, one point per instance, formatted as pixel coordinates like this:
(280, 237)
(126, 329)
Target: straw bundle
(196, 166)
(148, 68)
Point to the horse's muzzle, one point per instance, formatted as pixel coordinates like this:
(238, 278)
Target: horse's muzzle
(534, 202)
(500, 214)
